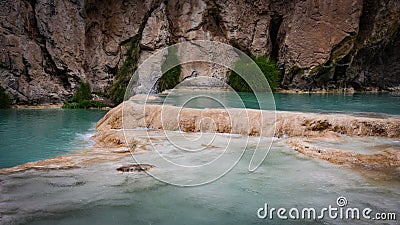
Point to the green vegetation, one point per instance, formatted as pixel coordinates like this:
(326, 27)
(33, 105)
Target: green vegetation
(170, 78)
(248, 68)
(83, 93)
(125, 72)
(84, 104)
(117, 91)
(82, 99)
(5, 101)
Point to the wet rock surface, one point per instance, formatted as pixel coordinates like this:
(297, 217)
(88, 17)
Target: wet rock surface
(246, 121)
(299, 128)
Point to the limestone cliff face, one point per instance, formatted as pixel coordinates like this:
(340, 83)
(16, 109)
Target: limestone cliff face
(48, 46)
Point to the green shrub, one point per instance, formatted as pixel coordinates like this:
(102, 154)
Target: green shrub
(83, 93)
(170, 78)
(247, 68)
(82, 99)
(5, 101)
(270, 70)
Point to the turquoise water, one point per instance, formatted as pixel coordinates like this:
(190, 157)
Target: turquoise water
(334, 102)
(99, 194)
(385, 103)
(35, 134)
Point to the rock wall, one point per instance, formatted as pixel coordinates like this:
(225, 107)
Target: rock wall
(42, 49)
(47, 47)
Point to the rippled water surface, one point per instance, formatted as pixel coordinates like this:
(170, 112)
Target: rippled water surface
(99, 194)
(34, 134)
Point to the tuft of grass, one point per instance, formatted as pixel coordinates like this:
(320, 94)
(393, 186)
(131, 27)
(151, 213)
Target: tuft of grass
(82, 99)
(5, 101)
(267, 66)
(84, 104)
(170, 78)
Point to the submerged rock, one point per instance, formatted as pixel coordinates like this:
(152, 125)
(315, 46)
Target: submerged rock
(57, 163)
(134, 168)
(386, 161)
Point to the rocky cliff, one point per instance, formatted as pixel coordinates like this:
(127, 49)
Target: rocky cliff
(47, 46)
